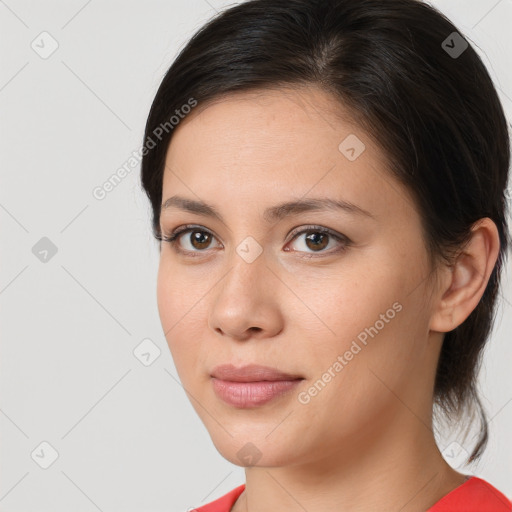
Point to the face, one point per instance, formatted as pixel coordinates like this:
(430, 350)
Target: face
(333, 295)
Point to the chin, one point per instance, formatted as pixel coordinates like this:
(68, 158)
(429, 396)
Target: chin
(254, 450)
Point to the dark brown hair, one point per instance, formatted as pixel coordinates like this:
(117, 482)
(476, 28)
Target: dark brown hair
(417, 90)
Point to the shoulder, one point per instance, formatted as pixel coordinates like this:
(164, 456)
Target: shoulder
(474, 495)
(224, 503)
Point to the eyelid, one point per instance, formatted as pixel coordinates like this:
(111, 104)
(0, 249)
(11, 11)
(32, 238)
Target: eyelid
(317, 228)
(173, 237)
(314, 228)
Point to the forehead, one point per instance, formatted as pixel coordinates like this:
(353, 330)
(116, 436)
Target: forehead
(264, 145)
(269, 117)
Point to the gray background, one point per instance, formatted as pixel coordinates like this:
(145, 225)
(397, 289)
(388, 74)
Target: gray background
(126, 436)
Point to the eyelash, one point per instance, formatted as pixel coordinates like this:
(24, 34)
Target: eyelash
(172, 239)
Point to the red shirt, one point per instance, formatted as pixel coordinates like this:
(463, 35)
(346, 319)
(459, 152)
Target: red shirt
(474, 495)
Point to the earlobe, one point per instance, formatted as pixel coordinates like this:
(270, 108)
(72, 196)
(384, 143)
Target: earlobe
(467, 278)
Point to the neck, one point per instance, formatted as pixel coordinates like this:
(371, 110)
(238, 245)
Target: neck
(397, 469)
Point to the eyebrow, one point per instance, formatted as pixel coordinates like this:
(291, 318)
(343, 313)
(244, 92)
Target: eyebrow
(271, 214)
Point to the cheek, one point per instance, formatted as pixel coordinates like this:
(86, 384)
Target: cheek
(365, 316)
(351, 377)
(167, 299)
(181, 315)
(176, 295)
(345, 304)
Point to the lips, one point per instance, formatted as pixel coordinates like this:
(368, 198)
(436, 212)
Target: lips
(252, 385)
(251, 373)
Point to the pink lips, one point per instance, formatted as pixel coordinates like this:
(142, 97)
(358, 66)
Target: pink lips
(252, 385)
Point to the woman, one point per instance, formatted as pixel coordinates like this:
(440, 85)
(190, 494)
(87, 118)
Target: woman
(327, 182)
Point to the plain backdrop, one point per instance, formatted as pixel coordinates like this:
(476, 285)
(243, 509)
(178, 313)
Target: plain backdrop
(86, 422)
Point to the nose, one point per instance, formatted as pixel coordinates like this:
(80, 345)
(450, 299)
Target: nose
(245, 303)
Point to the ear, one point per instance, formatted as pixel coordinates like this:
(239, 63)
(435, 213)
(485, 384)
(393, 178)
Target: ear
(464, 283)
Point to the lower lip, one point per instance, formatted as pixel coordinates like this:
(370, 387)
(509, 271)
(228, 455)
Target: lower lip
(251, 394)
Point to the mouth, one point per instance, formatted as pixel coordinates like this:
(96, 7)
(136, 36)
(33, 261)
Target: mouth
(252, 385)
(251, 373)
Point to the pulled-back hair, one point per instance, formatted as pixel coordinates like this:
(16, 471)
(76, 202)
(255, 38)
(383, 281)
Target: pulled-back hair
(425, 98)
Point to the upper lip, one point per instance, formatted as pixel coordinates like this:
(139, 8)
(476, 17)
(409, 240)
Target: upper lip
(251, 373)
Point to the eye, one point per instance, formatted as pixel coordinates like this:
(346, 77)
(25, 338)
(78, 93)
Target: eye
(319, 238)
(198, 239)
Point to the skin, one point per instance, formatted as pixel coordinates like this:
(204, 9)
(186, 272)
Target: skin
(365, 441)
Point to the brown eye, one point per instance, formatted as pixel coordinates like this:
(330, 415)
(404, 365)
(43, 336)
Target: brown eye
(197, 241)
(314, 239)
(200, 239)
(193, 240)
(317, 241)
